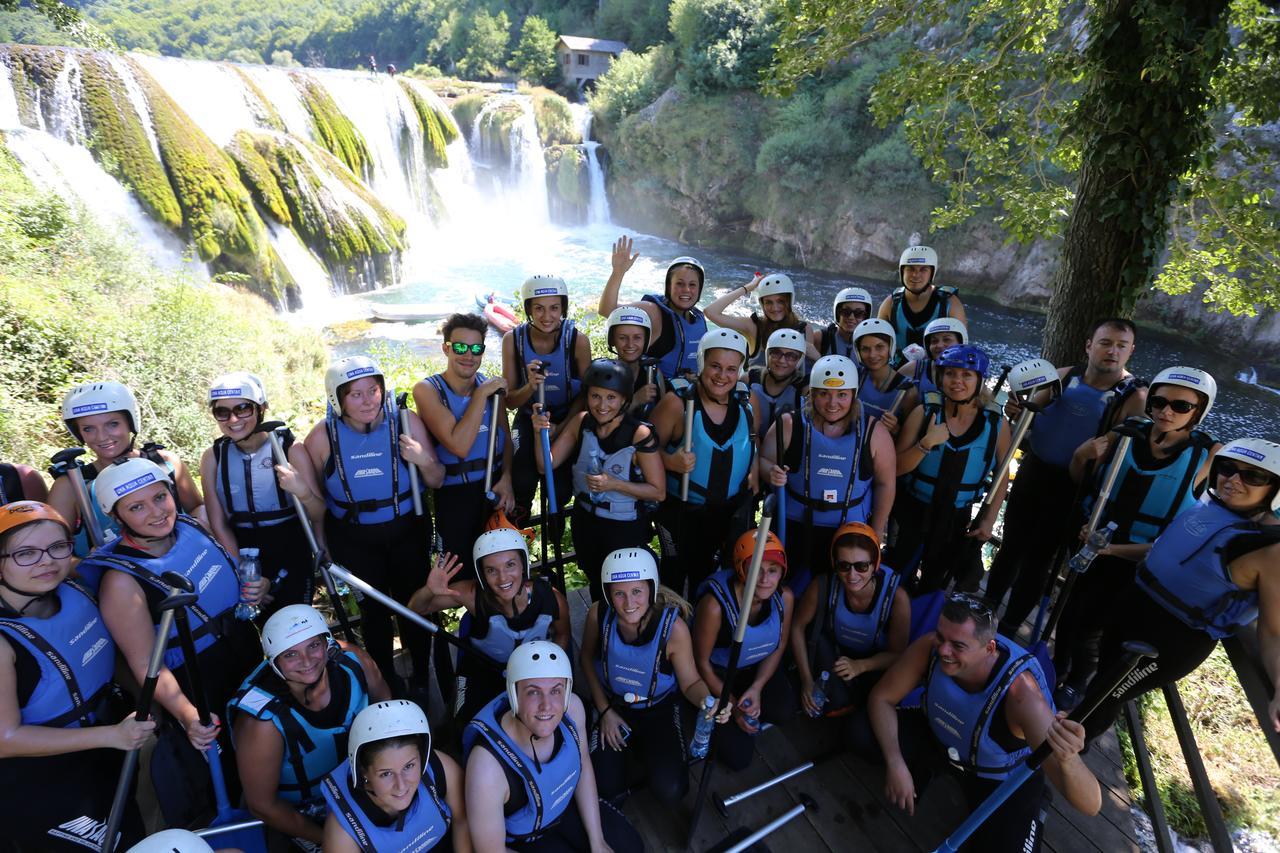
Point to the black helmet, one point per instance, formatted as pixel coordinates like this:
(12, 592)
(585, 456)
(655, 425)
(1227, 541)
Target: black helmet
(610, 375)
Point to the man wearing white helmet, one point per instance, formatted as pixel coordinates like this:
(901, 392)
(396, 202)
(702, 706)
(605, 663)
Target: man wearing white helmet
(1213, 571)
(780, 381)
(677, 323)
(850, 307)
(1160, 476)
(104, 417)
(249, 502)
(291, 716)
(1041, 517)
(939, 335)
(720, 462)
(627, 332)
(777, 311)
(530, 784)
(918, 299)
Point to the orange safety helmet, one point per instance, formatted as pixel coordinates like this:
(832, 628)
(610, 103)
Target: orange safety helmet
(745, 547)
(498, 520)
(857, 528)
(19, 513)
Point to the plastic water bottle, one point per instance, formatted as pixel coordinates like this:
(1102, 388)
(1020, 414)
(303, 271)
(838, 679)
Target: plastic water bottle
(702, 734)
(752, 723)
(820, 693)
(249, 570)
(594, 465)
(1092, 546)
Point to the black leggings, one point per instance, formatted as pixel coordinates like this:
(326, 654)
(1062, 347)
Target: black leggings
(1138, 617)
(691, 538)
(524, 469)
(657, 742)
(461, 513)
(734, 747)
(808, 554)
(282, 548)
(841, 694)
(568, 835)
(594, 538)
(1091, 607)
(394, 557)
(933, 540)
(62, 802)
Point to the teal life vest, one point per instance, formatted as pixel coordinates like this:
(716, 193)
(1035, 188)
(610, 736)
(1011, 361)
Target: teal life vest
(719, 476)
(963, 464)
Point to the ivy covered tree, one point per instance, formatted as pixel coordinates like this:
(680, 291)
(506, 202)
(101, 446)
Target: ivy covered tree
(1129, 128)
(534, 58)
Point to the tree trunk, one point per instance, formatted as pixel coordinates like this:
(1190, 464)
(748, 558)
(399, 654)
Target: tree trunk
(1143, 118)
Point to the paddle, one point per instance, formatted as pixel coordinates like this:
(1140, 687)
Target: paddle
(68, 462)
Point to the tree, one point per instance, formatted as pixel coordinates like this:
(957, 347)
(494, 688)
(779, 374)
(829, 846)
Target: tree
(1126, 129)
(486, 51)
(534, 58)
(64, 19)
(723, 44)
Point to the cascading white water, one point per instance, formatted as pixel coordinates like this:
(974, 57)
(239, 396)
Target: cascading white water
(520, 189)
(598, 207)
(280, 92)
(68, 123)
(306, 269)
(136, 98)
(8, 101)
(210, 93)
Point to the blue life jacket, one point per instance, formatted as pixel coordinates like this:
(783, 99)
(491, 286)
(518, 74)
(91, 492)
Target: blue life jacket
(1186, 571)
(978, 454)
(106, 523)
(247, 486)
(469, 468)
(860, 635)
(621, 464)
(1079, 413)
(676, 349)
(923, 377)
(310, 751)
(496, 636)
(832, 483)
(76, 656)
(792, 394)
(908, 325)
(422, 826)
(719, 475)
(833, 343)
(1149, 493)
(961, 721)
(548, 787)
(195, 555)
(760, 640)
(639, 668)
(876, 401)
(365, 473)
(562, 382)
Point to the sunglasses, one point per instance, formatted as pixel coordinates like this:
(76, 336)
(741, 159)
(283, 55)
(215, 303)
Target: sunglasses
(223, 414)
(31, 556)
(861, 567)
(784, 354)
(1182, 407)
(975, 605)
(1249, 475)
(460, 348)
(847, 310)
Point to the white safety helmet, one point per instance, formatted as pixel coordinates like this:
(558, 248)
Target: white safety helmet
(852, 294)
(536, 286)
(834, 373)
(685, 261)
(785, 339)
(537, 659)
(946, 324)
(918, 256)
(124, 478)
(1257, 452)
(776, 284)
(346, 370)
(721, 339)
(289, 626)
(627, 315)
(1191, 378)
(631, 564)
(495, 542)
(172, 841)
(382, 720)
(238, 385)
(876, 326)
(97, 398)
(1031, 375)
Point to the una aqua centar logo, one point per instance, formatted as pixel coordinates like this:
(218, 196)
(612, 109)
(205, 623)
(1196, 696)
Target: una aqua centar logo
(88, 407)
(545, 291)
(1195, 380)
(227, 392)
(134, 484)
(359, 371)
(629, 575)
(1249, 452)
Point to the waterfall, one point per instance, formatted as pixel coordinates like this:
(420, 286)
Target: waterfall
(210, 93)
(522, 186)
(8, 102)
(68, 123)
(136, 98)
(598, 210)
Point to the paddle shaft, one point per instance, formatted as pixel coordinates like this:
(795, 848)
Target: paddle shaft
(688, 444)
(415, 484)
(492, 445)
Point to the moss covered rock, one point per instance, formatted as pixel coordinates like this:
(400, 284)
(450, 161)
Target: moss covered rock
(494, 127)
(554, 119)
(465, 109)
(438, 129)
(33, 70)
(259, 104)
(334, 130)
(568, 183)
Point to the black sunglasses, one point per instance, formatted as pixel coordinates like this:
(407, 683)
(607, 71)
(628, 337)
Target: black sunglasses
(1182, 407)
(222, 414)
(1249, 475)
(460, 348)
(846, 310)
(861, 567)
(975, 605)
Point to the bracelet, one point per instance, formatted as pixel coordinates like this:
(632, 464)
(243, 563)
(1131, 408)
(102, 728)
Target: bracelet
(920, 446)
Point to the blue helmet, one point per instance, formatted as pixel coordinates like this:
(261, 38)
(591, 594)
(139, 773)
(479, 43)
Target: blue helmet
(965, 356)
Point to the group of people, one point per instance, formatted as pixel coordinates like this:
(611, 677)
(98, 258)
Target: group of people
(880, 435)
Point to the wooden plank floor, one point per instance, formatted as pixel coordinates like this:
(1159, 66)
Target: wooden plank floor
(851, 812)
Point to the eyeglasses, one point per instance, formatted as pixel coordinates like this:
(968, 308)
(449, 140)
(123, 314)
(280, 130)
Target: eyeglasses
(784, 354)
(31, 556)
(861, 567)
(221, 414)
(846, 310)
(459, 348)
(975, 605)
(1249, 475)
(1182, 407)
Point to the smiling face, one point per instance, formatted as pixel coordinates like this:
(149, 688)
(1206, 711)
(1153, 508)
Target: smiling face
(939, 341)
(771, 574)
(503, 574)
(361, 400)
(604, 404)
(960, 650)
(720, 371)
(545, 313)
(628, 342)
(542, 704)
(392, 775)
(465, 365)
(630, 600)
(148, 512)
(916, 277)
(850, 314)
(241, 417)
(685, 287)
(1230, 487)
(46, 572)
(776, 307)
(1109, 349)
(874, 351)
(855, 567)
(107, 435)
(783, 363)
(832, 404)
(304, 662)
(960, 384)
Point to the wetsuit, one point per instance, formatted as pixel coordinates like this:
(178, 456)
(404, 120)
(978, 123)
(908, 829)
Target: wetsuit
(909, 325)
(562, 387)
(425, 825)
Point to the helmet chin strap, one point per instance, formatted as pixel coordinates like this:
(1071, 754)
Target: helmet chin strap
(33, 596)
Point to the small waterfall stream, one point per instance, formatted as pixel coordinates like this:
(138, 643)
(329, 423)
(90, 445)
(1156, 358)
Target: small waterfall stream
(598, 210)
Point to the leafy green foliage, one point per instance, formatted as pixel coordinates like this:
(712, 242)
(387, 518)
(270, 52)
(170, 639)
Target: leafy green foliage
(554, 119)
(723, 44)
(641, 24)
(632, 82)
(486, 46)
(534, 59)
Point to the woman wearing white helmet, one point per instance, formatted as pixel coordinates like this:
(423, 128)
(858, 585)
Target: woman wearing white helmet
(883, 391)
(248, 503)
(58, 738)
(103, 416)
(1213, 571)
(1161, 475)
(291, 716)
(919, 299)
(720, 464)
(394, 793)
(530, 784)
(627, 334)
(850, 307)
(677, 323)
(370, 527)
(173, 841)
(780, 381)
(777, 311)
(837, 465)
(505, 607)
(637, 658)
(939, 335)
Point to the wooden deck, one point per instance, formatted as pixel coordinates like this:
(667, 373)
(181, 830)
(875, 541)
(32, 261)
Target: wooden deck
(851, 812)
